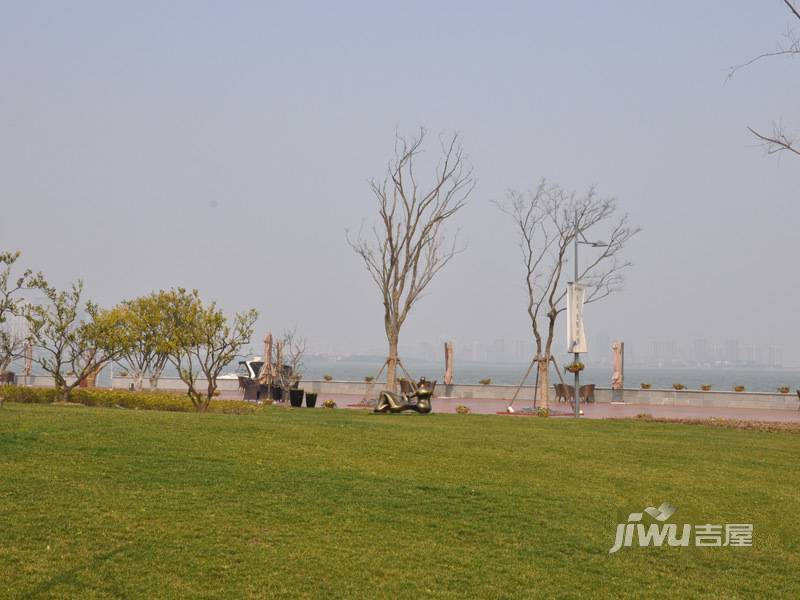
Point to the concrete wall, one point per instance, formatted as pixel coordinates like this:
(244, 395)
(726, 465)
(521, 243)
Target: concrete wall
(716, 399)
(669, 397)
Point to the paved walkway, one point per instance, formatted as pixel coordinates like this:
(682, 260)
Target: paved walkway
(591, 411)
(597, 410)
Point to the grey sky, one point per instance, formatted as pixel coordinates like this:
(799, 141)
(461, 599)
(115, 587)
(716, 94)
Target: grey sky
(226, 146)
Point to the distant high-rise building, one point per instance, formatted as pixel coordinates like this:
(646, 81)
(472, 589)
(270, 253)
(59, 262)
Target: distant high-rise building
(520, 351)
(600, 349)
(775, 356)
(700, 351)
(732, 353)
(664, 352)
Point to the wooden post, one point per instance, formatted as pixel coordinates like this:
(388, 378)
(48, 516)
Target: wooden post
(265, 376)
(448, 363)
(618, 379)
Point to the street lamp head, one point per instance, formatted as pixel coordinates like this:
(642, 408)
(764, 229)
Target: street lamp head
(583, 240)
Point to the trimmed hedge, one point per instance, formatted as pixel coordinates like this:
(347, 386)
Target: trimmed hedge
(121, 399)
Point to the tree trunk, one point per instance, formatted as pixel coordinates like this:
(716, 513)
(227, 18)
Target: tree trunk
(391, 364)
(212, 387)
(138, 381)
(155, 375)
(157, 369)
(542, 395)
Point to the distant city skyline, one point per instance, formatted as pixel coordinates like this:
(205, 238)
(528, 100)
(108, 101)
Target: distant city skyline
(699, 352)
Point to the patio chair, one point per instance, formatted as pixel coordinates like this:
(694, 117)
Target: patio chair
(564, 392)
(406, 387)
(587, 393)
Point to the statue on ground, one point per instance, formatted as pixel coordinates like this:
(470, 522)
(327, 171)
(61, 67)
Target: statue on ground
(419, 400)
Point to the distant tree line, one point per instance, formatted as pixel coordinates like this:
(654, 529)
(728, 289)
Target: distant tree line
(73, 339)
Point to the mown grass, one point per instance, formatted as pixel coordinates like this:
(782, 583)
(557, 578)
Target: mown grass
(98, 502)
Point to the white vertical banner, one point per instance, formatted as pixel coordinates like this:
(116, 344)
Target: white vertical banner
(576, 337)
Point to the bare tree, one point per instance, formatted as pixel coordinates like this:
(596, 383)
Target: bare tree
(290, 372)
(779, 139)
(546, 221)
(408, 246)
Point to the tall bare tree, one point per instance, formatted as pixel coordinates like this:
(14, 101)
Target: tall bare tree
(779, 139)
(408, 245)
(547, 221)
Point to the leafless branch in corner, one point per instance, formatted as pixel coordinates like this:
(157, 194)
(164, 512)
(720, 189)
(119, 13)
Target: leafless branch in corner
(779, 140)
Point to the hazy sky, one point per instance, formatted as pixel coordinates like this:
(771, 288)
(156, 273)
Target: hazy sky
(226, 146)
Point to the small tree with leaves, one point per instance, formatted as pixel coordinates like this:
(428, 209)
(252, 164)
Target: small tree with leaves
(408, 246)
(202, 342)
(546, 222)
(148, 352)
(13, 332)
(75, 340)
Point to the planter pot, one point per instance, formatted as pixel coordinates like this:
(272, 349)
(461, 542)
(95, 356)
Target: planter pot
(311, 399)
(296, 398)
(276, 393)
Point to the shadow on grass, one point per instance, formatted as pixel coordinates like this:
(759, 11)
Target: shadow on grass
(71, 577)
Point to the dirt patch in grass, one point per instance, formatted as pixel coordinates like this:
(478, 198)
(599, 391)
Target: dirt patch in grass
(768, 426)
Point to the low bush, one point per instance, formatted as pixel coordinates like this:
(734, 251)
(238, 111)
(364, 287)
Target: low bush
(463, 410)
(168, 401)
(329, 404)
(486, 381)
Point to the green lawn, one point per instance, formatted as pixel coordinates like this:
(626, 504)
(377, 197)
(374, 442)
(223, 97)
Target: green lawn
(118, 503)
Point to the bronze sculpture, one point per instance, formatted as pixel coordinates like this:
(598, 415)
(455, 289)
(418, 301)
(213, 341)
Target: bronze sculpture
(419, 400)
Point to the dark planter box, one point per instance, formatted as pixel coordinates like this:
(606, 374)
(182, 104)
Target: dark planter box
(311, 399)
(296, 397)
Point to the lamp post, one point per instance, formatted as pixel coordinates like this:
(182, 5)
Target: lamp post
(576, 355)
(577, 397)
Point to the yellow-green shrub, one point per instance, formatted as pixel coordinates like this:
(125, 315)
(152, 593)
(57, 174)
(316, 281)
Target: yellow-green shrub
(145, 400)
